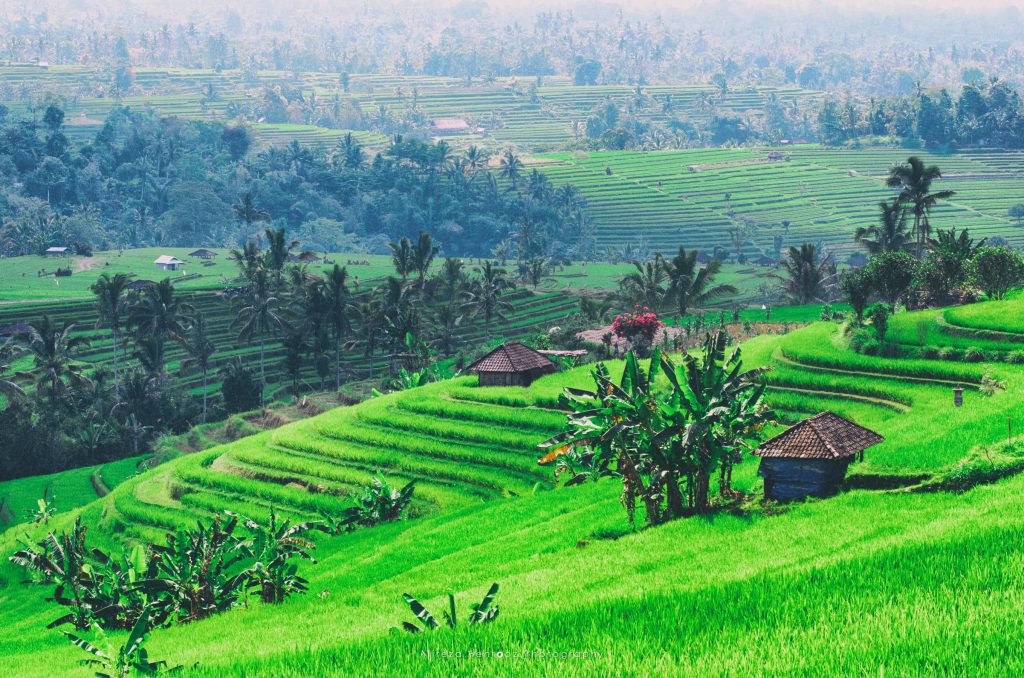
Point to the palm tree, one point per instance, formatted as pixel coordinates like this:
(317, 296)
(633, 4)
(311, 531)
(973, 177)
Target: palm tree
(278, 250)
(53, 352)
(7, 386)
(403, 257)
(807, 278)
(484, 297)
(248, 259)
(914, 179)
(261, 313)
(338, 307)
(423, 256)
(351, 152)
(200, 348)
(511, 167)
(646, 285)
(158, 312)
(476, 159)
(889, 234)
(248, 213)
(111, 303)
(689, 284)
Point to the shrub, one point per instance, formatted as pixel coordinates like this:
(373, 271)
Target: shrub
(974, 355)
(639, 327)
(947, 353)
(932, 352)
(241, 390)
(1015, 357)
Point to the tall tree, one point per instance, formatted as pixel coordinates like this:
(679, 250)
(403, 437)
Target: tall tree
(247, 212)
(511, 167)
(200, 348)
(8, 388)
(261, 313)
(914, 179)
(423, 256)
(889, 234)
(485, 295)
(808, 278)
(111, 303)
(53, 350)
(403, 256)
(690, 285)
(646, 285)
(338, 306)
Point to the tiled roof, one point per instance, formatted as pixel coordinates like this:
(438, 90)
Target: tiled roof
(823, 436)
(511, 357)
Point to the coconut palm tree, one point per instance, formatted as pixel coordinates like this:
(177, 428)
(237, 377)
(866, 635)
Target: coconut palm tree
(511, 167)
(423, 254)
(200, 348)
(889, 234)
(158, 312)
(403, 257)
(485, 295)
(8, 388)
(279, 248)
(646, 285)
(807, 277)
(53, 351)
(248, 259)
(111, 303)
(247, 212)
(689, 284)
(476, 160)
(338, 306)
(914, 179)
(261, 313)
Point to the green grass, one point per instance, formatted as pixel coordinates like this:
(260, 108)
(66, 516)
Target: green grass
(866, 583)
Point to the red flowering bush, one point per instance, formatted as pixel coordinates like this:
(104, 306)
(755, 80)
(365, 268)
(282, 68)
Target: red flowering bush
(642, 324)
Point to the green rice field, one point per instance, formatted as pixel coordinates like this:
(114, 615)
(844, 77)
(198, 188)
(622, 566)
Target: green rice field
(883, 579)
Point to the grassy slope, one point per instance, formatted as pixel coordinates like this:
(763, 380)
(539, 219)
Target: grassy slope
(865, 582)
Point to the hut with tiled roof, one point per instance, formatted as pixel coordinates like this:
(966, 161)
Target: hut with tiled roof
(809, 459)
(512, 364)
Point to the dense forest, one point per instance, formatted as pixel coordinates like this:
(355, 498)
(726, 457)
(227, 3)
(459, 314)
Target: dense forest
(147, 180)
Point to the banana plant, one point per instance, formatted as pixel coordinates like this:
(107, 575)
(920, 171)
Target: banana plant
(713, 410)
(483, 612)
(608, 430)
(195, 573)
(129, 659)
(273, 547)
(376, 504)
(62, 560)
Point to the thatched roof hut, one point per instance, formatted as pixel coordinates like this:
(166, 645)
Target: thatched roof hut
(512, 364)
(810, 458)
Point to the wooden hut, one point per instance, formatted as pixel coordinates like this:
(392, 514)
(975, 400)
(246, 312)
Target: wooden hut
(168, 263)
(58, 251)
(809, 459)
(203, 254)
(512, 364)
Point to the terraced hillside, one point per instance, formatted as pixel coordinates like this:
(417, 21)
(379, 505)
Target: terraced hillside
(508, 110)
(801, 193)
(531, 312)
(872, 581)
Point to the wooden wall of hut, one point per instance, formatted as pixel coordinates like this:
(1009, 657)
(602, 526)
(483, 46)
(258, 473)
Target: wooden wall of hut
(787, 479)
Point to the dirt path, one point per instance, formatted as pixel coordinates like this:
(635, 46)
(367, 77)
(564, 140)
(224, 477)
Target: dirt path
(84, 264)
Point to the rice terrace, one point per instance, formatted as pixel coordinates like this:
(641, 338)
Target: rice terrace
(469, 338)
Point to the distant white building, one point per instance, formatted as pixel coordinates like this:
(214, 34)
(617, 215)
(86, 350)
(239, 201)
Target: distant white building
(168, 263)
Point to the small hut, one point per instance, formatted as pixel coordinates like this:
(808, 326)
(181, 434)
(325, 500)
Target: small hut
(449, 126)
(168, 263)
(809, 459)
(203, 254)
(512, 364)
(58, 251)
